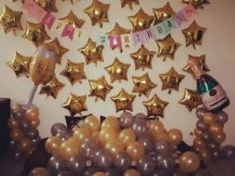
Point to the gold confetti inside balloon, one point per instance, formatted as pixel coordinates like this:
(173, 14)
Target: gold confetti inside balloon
(48, 5)
(100, 88)
(117, 70)
(194, 34)
(72, 19)
(171, 80)
(191, 99)
(92, 52)
(123, 100)
(20, 64)
(142, 84)
(74, 72)
(10, 20)
(155, 106)
(163, 13)
(36, 33)
(142, 58)
(141, 20)
(52, 87)
(98, 13)
(196, 3)
(75, 104)
(167, 47)
(130, 3)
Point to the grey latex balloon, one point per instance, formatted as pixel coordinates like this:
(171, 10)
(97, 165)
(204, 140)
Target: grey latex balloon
(201, 125)
(56, 164)
(213, 146)
(202, 172)
(17, 155)
(165, 161)
(140, 126)
(161, 172)
(114, 172)
(140, 115)
(206, 136)
(146, 165)
(222, 117)
(90, 147)
(78, 164)
(162, 146)
(58, 128)
(25, 125)
(65, 173)
(126, 120)
(200, 112)
(122, 161)
(31, 133)
(91, 170)
(147, 140)
(36, 140)
(229, 151)
(216, 154)
(179, 172)
(104, 159)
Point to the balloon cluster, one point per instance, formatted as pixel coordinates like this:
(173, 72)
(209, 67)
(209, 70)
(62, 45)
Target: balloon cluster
(24, 135)
(128, 145)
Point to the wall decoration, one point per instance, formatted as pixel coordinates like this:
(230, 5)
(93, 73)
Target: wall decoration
(130, 3)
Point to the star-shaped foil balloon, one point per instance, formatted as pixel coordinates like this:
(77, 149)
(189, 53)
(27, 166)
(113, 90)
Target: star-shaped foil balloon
(118, 30)
(20, 64)
(74, 72)
(197, 3)
(191, 99)
(155, 106)
(123, 101)
(75, 104)
(130, 3)
(52, 87)
(48, 5)
(143, 58)
(92, 52)
(199, 61)
(10, 20)
(167, 47)
(194, 34)
(99, 88)
(117, 70)
(98, 13)
(143, 84)
(171, 80)
(36, 33)
(163, 13)
(72, 19)
(141, 20)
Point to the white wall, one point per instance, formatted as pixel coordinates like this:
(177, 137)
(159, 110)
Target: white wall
(218, 45)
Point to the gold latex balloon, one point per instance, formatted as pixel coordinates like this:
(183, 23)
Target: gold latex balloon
(36, 33)
(20, 64)
(189, 162)
(191, 99)
(114, 146)
(75, 104)
(10, 20)
(142, 84)
(92, 52)
(52, 87)
(171, 80)
(163, 13)
(141, 20)
(72, 19)
(13, 123)
(124, 3)
(99, 88)
(199, 61)
(48, 5)
(40, 171)
(111, 122)
(209, 118)
(98, 13)
(135, 150)
(99, 174)
(127, 136)
(132, 172)
(25, 145)
(123, 100)
(155, 126)
(82, 133)
(92, 122)
(194, 34)
(74, 72)
(117, 70)
(107, 134)
(16, 134)
(155, 106)
(196, 3)
(142, 58)
(52, 145)
(167, 47)
(216, 128)
(175, 136)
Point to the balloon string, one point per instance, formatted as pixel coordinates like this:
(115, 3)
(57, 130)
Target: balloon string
(32, 94)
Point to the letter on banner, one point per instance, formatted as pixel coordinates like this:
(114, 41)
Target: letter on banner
(180, 17)
(168, 25)
(148, 34)
(115, 42)
(138, 37)
(48, 20)
(189, 10)
(126, 40)
(68, 31)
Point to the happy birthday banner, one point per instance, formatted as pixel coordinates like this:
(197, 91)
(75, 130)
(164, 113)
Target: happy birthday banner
(114, 41)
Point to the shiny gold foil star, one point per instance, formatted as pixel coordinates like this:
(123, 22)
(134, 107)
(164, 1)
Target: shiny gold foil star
(74, 72)
(191, 99)
(118, 30)
(20, 64)
(92, 52)
(123, 100)
(117, 70)
(171, 80)
(155, 106)
(143, 58)
(48, 5)
(167, 47)
(72, 19)
(129, 3)
(197, 3)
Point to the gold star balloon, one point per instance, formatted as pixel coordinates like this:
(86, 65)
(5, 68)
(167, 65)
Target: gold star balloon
(171, 80)
(163, 13)
(48, 5)
(142, 58)
(117, 70)
(98, 13)
(118, 30)
(52, 87)
(130, 3)
(92, 52)
(141, 20)
(199, 61)
(20, 64)
(123, 101)
(191, 99)
(74, 72)
(155, 106)
(36, 33)
(142, 84)
(75, 104)
(196, 3)
(10, 20)
(167, 47)
(99, 88)
(72, 19)
(194, 34)
(69, 0)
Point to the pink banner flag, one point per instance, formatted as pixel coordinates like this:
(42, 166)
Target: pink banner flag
(189, 10)
(68, 31)
(48, 20)
(180, 17)
(115, 42)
